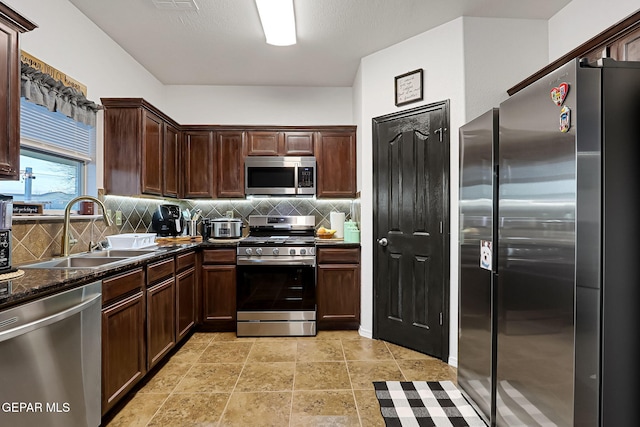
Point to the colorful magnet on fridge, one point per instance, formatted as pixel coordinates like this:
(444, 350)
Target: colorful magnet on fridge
(565, 119)
(559, 93)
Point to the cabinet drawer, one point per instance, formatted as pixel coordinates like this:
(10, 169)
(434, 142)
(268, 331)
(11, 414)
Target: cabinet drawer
(185, 261)
(338, 255)
(219, 256)
(114, 287)
(159, 270)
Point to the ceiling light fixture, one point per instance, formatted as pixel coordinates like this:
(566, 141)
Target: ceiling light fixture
(278, 21)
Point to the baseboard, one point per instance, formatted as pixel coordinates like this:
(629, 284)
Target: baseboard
(453, 361)
(365, 332)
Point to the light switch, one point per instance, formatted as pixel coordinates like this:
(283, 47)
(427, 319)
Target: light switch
(118, 217)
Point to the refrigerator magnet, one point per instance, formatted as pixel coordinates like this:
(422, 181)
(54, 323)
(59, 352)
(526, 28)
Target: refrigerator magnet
(559, 93)
(565, 119)
(485, 254)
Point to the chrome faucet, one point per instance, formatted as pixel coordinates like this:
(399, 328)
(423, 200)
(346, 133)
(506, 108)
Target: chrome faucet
(67, 214)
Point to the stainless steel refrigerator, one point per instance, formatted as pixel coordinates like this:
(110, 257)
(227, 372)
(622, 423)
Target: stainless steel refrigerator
(549, 231)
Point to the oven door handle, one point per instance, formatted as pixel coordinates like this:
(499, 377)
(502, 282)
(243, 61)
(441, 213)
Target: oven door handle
(307, 262)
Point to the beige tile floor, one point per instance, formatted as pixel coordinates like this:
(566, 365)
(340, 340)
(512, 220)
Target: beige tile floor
(217, 379)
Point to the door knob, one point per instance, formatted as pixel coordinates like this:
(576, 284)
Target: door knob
(383, 242)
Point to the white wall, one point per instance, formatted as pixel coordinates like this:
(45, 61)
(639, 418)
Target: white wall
(259, 105)
(68, 41)
(498, 53)
(439, 52)
(581, 20)
(471, 62)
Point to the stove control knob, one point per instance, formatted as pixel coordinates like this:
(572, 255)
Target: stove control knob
(259, 251)
(276, 251)
(292, 251)
(303, 251)
(248, 251)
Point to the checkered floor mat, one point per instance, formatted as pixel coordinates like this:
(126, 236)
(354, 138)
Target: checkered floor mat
(421, 403)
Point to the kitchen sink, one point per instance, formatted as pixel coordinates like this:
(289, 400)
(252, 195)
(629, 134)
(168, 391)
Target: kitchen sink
(119, 253)
(76, 262)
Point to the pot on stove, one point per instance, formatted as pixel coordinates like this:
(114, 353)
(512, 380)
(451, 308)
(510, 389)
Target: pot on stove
(226, 228)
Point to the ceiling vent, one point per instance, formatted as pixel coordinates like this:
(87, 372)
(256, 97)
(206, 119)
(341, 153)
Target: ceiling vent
(176, 4)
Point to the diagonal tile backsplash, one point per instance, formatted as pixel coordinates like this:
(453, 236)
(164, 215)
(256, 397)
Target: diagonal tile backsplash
(40, 239)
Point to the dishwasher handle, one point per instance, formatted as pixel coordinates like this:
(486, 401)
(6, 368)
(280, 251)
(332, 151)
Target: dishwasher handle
(48, 320)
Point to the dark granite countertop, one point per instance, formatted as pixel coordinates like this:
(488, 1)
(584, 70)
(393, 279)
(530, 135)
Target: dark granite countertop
(336, 242)
(38, 283)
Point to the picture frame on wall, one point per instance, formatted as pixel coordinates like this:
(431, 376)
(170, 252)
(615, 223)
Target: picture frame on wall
(409, 88)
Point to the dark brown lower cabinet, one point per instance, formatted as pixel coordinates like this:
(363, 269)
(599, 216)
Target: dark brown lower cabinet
(219, 289)
(123, 349)
(338, 288)
(161, 329)
(185, 302)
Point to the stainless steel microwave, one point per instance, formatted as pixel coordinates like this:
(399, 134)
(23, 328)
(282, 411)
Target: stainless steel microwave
(285, 176)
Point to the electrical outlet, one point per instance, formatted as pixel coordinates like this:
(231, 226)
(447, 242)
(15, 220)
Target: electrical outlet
(229, 214)
(109, 213)
(118, 217)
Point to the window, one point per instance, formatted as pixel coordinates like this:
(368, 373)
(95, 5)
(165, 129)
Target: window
(57, 158)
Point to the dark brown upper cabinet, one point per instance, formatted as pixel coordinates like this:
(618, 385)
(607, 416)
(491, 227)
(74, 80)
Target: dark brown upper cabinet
(172, 176)
(199, 166)
(280, 143)
(336, 163)
(141, 149)
(11, 25)
(230, 164)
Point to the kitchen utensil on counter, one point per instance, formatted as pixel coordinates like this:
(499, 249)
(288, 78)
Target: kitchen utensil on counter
(193, 227)
(226, 228)
(167, 220)
(337, 223)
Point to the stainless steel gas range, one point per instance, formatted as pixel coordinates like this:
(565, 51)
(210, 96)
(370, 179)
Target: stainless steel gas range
(276, 277)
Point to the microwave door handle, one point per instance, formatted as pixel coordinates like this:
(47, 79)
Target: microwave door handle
(295, 177)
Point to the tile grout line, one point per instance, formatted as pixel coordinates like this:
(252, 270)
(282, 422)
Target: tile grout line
(236, 384)
(171, 393)
(353, 392)
(396, 361)
(293, 385)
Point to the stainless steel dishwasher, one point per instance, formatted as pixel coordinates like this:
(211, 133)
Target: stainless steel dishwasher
(50, 360)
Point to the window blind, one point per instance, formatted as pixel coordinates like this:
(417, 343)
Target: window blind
(56, 130)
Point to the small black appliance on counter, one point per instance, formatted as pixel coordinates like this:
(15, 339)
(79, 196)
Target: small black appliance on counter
(167, 220)
(6, 215)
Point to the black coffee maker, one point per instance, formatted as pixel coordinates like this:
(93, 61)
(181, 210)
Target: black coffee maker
(167, 220)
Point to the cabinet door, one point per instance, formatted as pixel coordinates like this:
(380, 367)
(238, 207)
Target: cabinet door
(161, 317)
(336, 157)
(219, 297)
(338, 296)
(185, 302)
(123, 349)
(9, 104)
(230, 158)
(198, 164)
(263, 143)
(152, 162)
(297, 144)
(171, 158)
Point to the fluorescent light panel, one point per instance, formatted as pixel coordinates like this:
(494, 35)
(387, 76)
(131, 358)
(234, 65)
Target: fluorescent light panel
(278, 21)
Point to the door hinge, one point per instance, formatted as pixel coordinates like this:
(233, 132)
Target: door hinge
(440, 318)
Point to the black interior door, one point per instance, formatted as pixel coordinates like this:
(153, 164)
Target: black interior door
(411, 170)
